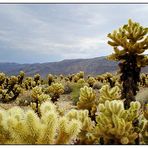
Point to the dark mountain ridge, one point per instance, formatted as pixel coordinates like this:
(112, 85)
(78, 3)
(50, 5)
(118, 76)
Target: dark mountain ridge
(92, 66)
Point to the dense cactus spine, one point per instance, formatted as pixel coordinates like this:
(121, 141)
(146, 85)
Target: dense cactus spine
(114, 123)
(87, 98)
(107, 93)
(25, 127)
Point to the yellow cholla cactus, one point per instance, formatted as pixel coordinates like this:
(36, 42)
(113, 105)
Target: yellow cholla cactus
(129, 43)
(39, 97)
(37, 79)
(80, 74)
(83, 117)
(55, 90)
(13, 80)
(115, 123)
(29, 83)
(68, 130)
(75, 78)
(25, 127)
(91, 81)
(107, 74)
(36, 92)
(132, 31)
(87, 125)
(87, 98)
(107, 93)
(81, 81)
(50, 79)
(145, 110)
(4, 134)
(2, 78)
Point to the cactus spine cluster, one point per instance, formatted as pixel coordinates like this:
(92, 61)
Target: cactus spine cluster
(107, 93)
(10, 88)
(39, 96)
(114, 123)
(87, 98)
(25, 127)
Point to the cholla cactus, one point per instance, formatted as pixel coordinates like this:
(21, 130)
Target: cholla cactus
(75, 78)
(129, 42)
(55, 90)
(50, 79)
(144, 129)
(16, 91)
(91, 81)
(114, 123)
(21, 77)
(145, 110)
(29, 83)
(88, 125)
(25, 127)
(107, 93)
(80, 74)
(11, 83)
(36, 92)
(39, 97)
(4, 134)
(2, 78)
(67, 130)
(144, 79)
(87, 98)
(61, 77)
(10, 89)
(100, 78)
(13, 80)
(4, 96)
(37, 79)
(81, 81)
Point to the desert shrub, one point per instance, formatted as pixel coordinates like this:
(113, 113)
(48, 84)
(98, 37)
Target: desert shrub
(76, 92)
(24, 99)
(97, 85)
(67, 88)
(142, 96)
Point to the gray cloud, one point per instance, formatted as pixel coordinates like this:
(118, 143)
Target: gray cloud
(41, 33)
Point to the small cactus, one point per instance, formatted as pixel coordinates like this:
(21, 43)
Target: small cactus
(87, 98)
(55, 90)
(107, 93)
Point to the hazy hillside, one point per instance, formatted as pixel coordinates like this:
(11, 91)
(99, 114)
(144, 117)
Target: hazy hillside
(89, 66)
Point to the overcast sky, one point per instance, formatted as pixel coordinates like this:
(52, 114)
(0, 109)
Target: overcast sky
(32, 33)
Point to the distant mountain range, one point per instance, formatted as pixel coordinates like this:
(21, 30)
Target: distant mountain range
(92, 66)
